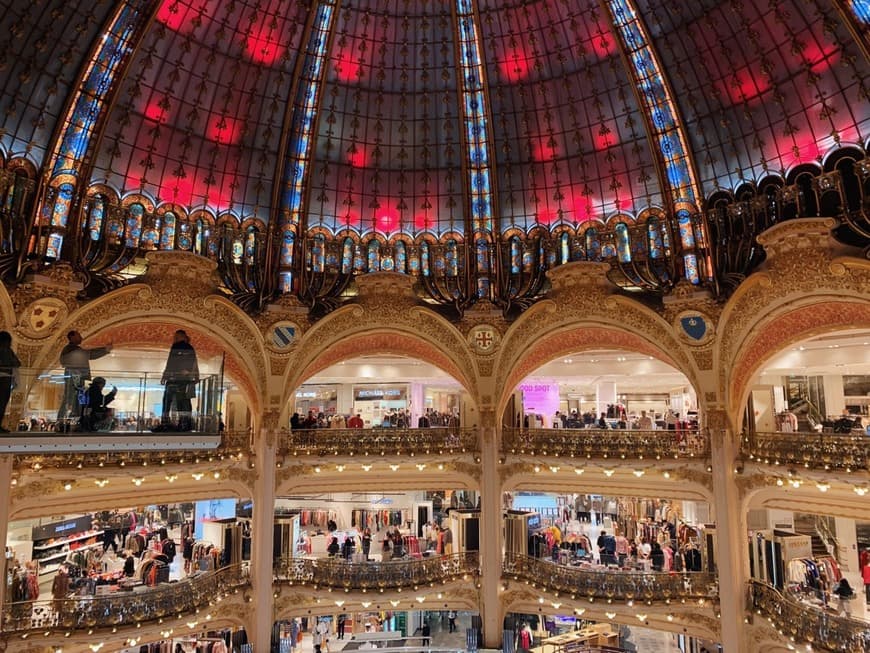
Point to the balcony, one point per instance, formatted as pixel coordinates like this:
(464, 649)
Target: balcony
(334, 573)
(131, 422)
(124, 608)
(231, 445)
(610, 444)
(827, 451)
(803, 624)
(649, 587)
(378, 442)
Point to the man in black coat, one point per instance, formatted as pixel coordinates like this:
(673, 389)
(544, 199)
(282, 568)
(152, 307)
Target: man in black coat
(180, 377)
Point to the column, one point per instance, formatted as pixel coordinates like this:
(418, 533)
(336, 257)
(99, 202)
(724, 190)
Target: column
(490, 530)
(731, 556)
(5, 499)
(605, 393)
(262, 537)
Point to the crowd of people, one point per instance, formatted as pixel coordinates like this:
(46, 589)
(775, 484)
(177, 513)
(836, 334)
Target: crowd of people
(395, 418)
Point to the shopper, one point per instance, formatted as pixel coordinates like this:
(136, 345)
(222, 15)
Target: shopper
(342, 619)
(366, 542)
(9, 365)
(76, 361)
(451, 621)
(333, 548)
(865, 576)
(844, 593)
(425, 633)
(180, 377)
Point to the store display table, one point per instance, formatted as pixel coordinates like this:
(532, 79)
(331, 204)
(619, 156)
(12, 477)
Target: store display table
(597, 635)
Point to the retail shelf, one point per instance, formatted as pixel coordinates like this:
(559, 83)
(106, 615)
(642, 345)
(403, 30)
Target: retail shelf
(43, 547)
(61, 554)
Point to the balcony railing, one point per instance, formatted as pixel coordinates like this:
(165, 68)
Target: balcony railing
(123, 608)
(336, 573)
(232, 444)
(809, 450)
(804, 624)
(600, 443)
(378, 442)
(134, 418)
(612, 585)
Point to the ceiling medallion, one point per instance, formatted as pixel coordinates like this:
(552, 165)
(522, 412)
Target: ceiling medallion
(484, 338)
(694, 327)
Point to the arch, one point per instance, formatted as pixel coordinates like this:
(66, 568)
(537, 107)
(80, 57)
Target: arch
(29, 504)
(416, 332)
(807, 499)
(781, 329)
(138, 315)
(525, 349)
(8, 315)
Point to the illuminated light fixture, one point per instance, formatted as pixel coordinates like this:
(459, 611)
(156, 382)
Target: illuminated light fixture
(366, 604)
(68, 486)
(138, 480)
(439, 595)
(216, 475)
(421, 466)
(317, 470)
(578, 470)
(795, 482)
(554, 469)
(95, 647)
(172, 477)
(667, 474)
(537, 469)
(780, 482)
(641, 617)
(608, 472)
(556, 605)
(394, 467)
(860, 490)
(339, 603)
(610, 615)
(197, 476)
(638, 472)
(366, 467)
(340, 468)
(579, 611)
(823, 486)
(670, 617)
(441, 466)
(420, 599)
(541, 599)
(394, 603)
(192, 624)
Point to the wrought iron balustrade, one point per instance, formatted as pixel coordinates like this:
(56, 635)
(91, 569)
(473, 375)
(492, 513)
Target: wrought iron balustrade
(612, 585)
(802, 623)
(336, 573)
(232, 445)
(808, 450)
(122, 608)
(378, 441)
(609, 443)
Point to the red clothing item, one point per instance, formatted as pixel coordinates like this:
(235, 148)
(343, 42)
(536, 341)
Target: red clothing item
(865, 574)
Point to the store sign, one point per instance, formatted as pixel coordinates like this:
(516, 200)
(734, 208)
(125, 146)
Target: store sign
(534, 521)
(379, 393)
(540, 398)
(62, 528)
